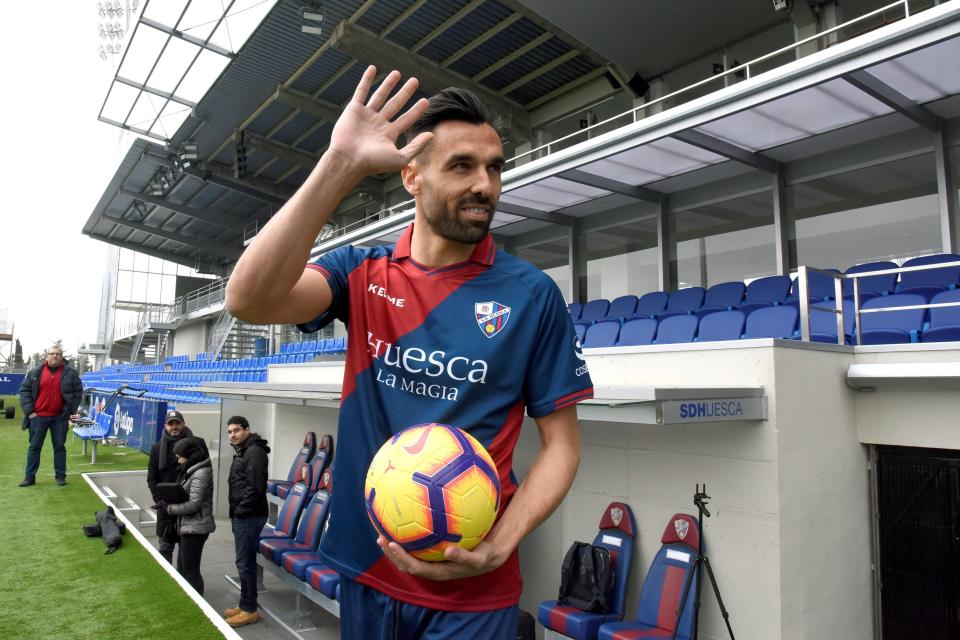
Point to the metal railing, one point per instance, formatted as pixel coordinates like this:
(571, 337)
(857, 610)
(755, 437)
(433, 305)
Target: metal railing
(806, 306)
(738, 73)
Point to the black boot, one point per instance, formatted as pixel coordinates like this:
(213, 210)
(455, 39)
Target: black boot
(28, 481)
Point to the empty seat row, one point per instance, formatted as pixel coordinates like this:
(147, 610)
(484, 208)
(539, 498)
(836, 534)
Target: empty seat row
(938, 324)
(774, 290)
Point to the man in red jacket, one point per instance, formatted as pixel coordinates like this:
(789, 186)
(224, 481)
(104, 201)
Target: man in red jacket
(49, 395)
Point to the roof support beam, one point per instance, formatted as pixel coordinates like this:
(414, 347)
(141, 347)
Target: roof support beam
(307, 103)
(157, 92)
(201, 245)
(449, 22)
(727, 150)
(280, 150)
(363, 45)
(536, 214)
(483, 37)
(507, 59)
(539, 71)
(593, 180)
(186, 37)
(220, 220)
(259, 188)
(889, 96)
(396, 22)
(521, 8)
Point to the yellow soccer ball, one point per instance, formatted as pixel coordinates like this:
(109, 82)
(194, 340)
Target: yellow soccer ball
(431, 486)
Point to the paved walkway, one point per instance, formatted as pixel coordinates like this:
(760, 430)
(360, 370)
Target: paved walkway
(278, 599)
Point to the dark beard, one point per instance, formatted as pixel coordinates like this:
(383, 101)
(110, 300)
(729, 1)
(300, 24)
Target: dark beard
(448, 225)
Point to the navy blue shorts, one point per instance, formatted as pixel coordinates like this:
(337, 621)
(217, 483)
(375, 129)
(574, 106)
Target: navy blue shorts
(367, 614)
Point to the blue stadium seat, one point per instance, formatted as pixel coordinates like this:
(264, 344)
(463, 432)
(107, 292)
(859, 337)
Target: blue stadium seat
(296, 562)
(616, 534)
(581, 329)
(324, 579)
(765, 292)
(772, 322)
(944, 322)
(651, 304)
(930, 282)
(722, 297)
(891, 327)
(823, 324)
(289, 514)
(819, 287)
(622, 307)
(663, 588)
(722, 325)
(306, 453)
(308, 531)
(677, 329)
(871, 286)
(683, 301)
(317, 465)
(595, 310)
(637, 331)
(602, 334)
(575, 308)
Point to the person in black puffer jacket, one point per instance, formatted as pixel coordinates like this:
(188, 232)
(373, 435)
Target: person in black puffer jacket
(248, 513)
(195, 520)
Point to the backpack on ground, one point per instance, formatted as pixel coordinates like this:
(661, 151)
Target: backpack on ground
(586, 578)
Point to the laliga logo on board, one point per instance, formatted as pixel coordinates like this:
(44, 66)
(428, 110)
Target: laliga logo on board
(491, 317)
(681, 527)
(122, 421)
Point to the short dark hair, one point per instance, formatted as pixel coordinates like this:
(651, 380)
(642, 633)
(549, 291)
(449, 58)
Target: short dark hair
(240, 420)
(454, 103)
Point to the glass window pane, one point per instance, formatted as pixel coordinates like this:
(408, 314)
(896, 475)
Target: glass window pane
(139, 291)
(725, 242)
(124, 284)
(126, 259)
(621, 259)
(139, 262)
(884, 212)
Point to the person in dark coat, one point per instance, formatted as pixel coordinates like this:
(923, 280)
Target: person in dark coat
(163, 467)
(248, 513)
(49, 395)
(195, 520)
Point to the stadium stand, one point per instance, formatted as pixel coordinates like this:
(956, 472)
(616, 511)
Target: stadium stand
(765, 292)
(650, 305)
(944, 321)
(722, 297)
(663, 587)
(622, 307)
(722, 325)
(616, 534)
(929, 282)
(677, 329)
(891, 327)
(638, 331)
(304, 456)
(772, 322)
(602, 334)
(683, 301)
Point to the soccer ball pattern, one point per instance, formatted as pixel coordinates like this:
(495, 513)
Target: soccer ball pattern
(432, 486)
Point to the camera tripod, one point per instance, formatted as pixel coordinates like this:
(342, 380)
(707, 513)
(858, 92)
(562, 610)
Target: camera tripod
(700, 499)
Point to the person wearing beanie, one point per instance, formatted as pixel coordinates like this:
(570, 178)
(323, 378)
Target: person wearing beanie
(195, 520)
(163, 467)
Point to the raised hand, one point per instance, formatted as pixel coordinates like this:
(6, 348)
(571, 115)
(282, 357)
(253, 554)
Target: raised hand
(365, 135)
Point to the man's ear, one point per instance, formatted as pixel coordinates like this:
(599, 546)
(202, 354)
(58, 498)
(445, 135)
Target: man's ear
(411, 177)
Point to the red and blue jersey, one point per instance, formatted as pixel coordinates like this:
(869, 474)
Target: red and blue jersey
(476, 345)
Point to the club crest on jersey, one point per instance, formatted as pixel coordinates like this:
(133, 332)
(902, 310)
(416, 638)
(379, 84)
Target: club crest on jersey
(491, 317)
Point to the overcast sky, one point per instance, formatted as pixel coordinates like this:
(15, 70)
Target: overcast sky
(56, 161)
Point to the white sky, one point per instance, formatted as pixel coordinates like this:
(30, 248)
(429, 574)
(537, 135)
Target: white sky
(58, 158)
(55, 162)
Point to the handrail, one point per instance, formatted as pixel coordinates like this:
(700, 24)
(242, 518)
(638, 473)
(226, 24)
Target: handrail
(838, 278)
(745, 67)
(633, 114)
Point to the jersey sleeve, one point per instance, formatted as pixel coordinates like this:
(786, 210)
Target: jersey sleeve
(557, 374)
(335, 266)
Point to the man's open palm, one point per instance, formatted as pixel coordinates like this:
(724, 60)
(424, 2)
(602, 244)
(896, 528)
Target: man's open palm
(366, 133)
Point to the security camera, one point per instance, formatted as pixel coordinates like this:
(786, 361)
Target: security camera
(781, 5)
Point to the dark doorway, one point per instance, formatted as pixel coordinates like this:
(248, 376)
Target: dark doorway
(919, 535)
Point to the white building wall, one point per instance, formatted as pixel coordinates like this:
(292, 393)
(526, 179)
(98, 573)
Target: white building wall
(190, 339)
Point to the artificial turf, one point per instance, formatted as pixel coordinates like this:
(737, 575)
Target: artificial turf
(55, 583)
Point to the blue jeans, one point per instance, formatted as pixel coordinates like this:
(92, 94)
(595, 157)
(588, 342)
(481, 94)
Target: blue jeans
(368, 614)
(246, 539)
(57, 426)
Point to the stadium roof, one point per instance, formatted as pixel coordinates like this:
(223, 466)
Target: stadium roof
(282, 91)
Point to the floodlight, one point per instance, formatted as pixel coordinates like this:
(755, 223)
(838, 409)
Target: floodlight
(781, 5)
(311, 19)
(187, 156)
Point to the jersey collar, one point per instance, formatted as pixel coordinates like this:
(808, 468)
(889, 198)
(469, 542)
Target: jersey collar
(483, 252)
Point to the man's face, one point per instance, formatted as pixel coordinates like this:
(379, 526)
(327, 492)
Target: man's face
(54, 357)
(457, 180)
(237, 434)
(173, 428)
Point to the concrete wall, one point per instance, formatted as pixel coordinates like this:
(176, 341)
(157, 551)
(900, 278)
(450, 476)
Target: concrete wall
(790, 536)
(190, 339)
